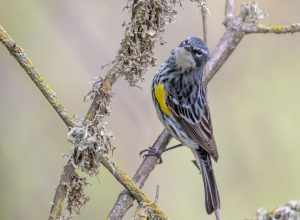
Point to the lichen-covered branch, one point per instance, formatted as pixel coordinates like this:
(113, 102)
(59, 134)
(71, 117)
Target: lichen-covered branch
(289, 211)
(132, 187)
(66, 177)
(275, 29)
(25, 62)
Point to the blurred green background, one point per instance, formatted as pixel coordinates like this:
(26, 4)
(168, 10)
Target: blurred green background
(254, 102)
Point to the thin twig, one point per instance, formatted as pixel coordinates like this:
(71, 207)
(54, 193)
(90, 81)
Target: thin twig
(204, 10)
(275, 29)
(229, 9)
(36, 77)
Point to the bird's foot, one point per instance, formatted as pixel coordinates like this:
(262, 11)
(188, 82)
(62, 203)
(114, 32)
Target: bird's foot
(153, 152)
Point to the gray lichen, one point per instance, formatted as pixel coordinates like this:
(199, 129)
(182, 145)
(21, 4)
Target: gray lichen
(251, 12)
(89, 141)
(144, 212)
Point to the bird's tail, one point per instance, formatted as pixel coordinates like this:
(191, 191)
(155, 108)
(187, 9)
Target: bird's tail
(212, 199)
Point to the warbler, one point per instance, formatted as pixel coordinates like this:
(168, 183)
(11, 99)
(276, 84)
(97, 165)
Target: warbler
(180, 99)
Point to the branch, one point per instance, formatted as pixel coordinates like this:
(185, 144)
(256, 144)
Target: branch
(66, 177)
(125, 200)
(25, 62)
(275, 29)
(131, 186)
(225, 47)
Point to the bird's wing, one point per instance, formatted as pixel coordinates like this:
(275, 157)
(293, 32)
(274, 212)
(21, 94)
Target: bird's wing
(196, 122)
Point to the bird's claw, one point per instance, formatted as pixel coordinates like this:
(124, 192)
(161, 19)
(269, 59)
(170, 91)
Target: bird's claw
(151, 152)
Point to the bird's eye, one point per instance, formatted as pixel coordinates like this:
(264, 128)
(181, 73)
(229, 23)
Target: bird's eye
(198, 53)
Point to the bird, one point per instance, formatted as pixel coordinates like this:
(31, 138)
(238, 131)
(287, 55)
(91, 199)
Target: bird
(180, 98)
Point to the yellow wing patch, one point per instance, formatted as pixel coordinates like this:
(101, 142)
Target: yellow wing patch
(160, 95)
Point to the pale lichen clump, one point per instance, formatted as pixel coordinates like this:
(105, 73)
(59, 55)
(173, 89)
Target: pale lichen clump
(89, 141)
(203, 4)
(147, 22)
(252, 13)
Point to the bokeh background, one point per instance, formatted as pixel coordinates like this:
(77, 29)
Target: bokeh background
(254, 102)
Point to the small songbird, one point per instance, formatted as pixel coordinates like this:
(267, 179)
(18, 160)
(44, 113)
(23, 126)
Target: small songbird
(179, 96)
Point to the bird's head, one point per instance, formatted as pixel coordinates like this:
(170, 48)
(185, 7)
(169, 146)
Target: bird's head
(191, 53)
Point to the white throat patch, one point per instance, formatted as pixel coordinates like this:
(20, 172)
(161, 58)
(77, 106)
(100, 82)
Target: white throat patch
(184, 59)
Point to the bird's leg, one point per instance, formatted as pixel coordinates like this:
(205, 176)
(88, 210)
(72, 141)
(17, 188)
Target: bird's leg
(151, 151)
(173, 147)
